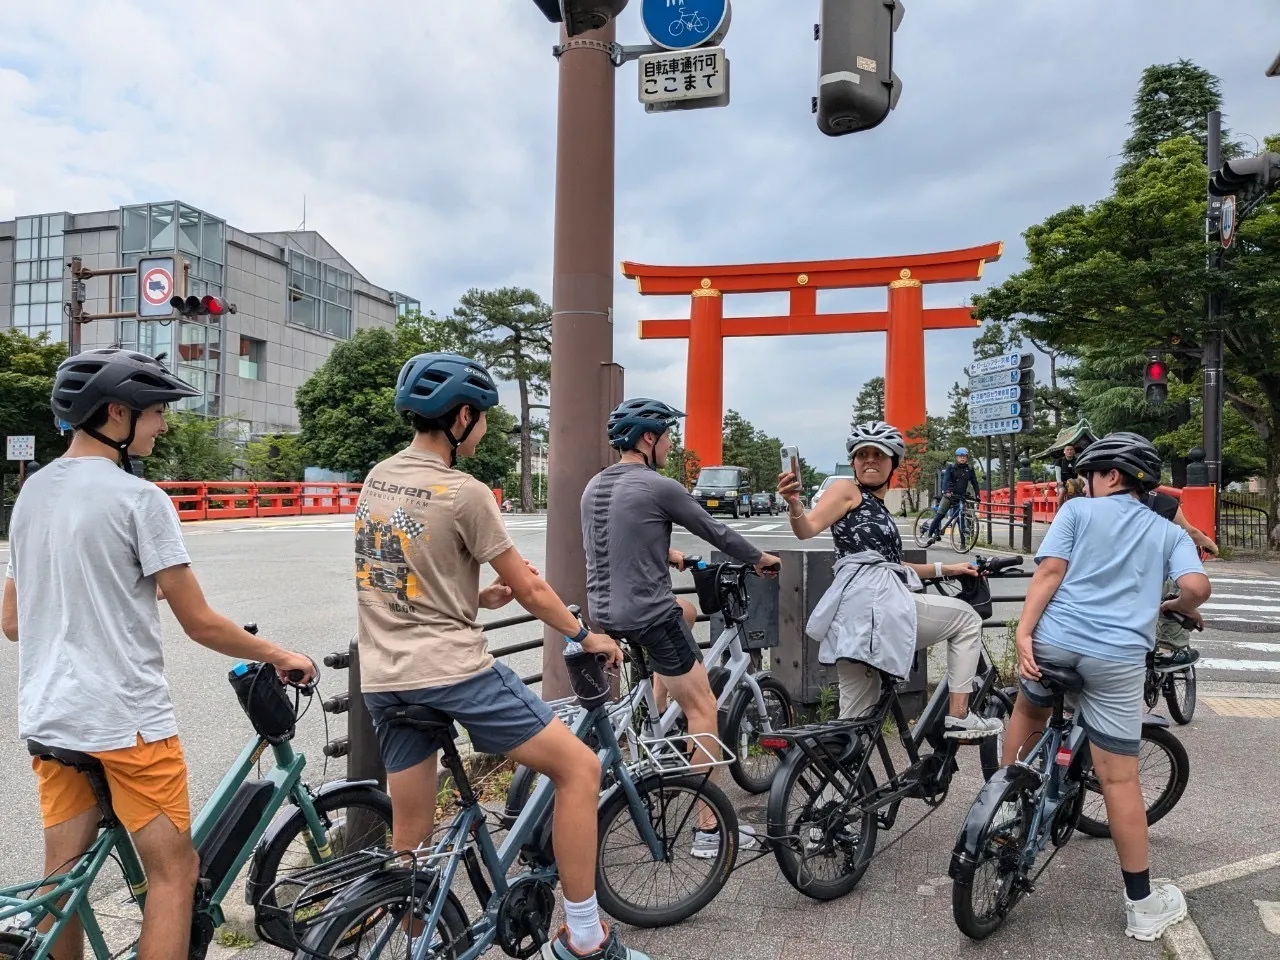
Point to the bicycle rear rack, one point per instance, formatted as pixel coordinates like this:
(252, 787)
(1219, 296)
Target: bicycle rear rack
(674, 754)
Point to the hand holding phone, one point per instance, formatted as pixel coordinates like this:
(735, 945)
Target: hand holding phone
(791, 461)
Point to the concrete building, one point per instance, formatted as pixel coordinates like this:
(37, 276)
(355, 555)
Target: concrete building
(296, 296)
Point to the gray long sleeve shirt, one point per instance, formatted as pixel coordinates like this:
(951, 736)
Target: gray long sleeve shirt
(627, 513)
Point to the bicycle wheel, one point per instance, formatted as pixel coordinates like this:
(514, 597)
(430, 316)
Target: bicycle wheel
(999, 705)
(755, 767)
(822, 852)
(626, 870)
(355, 818)
(368, 920)
(982, 899)
(1163, 770)
(964, 532)
(920, 529)
(1180, 694)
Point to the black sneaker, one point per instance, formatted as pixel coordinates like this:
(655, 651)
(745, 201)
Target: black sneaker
(612, 949)
(1181, 657)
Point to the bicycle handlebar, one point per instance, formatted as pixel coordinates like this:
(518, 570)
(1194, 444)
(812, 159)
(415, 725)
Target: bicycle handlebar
(292, 677)
(1182, 620)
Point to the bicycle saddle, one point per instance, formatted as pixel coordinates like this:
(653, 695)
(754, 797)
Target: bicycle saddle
(1060, 679)
(69, 758)
(418, 716)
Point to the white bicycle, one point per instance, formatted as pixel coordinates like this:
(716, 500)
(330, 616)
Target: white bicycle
(693, 22)
(750, 705)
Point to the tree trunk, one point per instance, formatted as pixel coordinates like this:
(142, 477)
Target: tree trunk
(526, 450)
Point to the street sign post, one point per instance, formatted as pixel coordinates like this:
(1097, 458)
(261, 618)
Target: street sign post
(20, 448)
(685, 24)
(1014, 360)
(1001, 391)
(675, 81)
(1002, 379)
(155, 288)
(1227, 221)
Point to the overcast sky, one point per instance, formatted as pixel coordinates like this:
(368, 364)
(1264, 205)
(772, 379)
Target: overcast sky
(422, 134)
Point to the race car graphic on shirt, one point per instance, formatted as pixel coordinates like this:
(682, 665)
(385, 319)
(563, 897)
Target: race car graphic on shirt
(380, 553)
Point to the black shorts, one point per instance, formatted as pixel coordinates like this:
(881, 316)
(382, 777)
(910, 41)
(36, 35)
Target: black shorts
(669, 645)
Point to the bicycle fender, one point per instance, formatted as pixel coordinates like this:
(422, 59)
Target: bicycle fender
(1154, 720)
(964, 857)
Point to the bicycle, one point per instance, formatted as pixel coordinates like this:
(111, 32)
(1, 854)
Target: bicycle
(408, 896)
(834, 820)
(693, 22)
(237, 825)
(964, 533)
(1177, 681)
(1028, 804)
(749, 704)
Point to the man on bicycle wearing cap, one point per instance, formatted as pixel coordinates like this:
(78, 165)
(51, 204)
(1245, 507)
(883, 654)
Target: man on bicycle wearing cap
(956, 479)
(627, 513)
(90, 545)
(423, 529)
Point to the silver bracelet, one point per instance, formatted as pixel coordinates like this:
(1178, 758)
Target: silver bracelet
(796, 516)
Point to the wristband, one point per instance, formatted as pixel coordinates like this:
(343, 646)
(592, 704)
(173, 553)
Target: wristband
(937, 569)
(582, 635)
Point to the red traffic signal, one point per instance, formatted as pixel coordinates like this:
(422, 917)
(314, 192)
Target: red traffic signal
(206, 306)
(1155, 381)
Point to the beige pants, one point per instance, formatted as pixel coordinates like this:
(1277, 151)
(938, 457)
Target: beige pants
(938, 618)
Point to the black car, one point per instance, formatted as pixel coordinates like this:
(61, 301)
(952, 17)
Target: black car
(764, 503)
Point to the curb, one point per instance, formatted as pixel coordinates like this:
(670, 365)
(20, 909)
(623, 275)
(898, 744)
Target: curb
(1184, 939)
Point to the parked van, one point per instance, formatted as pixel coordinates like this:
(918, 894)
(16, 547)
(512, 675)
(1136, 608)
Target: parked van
(724, 490)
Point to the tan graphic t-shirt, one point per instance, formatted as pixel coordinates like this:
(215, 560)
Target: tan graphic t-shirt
(422, 532)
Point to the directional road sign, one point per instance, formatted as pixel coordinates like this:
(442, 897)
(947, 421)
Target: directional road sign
(1014, 360)
(155, 287)
(685, 24)
(1004, 378)
(675, 81)
(20, 448)
(999, 411)
(995, 428)
(998, 395)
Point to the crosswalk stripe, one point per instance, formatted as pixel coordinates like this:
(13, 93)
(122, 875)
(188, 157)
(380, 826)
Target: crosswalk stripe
(1214, 663)
(1251, 581)
(1251, 607)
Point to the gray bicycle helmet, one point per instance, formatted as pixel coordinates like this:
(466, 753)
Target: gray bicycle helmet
(1130, 453)
(632, 419)
(883, 436)
(88, 381)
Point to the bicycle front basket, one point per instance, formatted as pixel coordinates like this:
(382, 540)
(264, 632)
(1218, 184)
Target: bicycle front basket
(706, 582)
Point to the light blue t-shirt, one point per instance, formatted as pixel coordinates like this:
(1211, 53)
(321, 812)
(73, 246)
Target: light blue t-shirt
(1119, 553)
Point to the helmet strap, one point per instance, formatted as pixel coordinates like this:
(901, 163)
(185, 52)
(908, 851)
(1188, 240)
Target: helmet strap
(120, 446)
(466, 432)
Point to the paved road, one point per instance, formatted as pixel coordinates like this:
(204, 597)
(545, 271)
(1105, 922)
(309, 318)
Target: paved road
(294, 578)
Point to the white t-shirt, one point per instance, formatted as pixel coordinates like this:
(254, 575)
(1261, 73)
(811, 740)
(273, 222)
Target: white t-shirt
(85, 543)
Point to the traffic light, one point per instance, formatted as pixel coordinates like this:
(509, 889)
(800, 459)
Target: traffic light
(206, 306)
(1155, 381)
(579, 16)
(1261, 172)
(856, 84)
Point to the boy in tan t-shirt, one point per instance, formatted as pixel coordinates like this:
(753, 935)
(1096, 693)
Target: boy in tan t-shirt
(423, 529)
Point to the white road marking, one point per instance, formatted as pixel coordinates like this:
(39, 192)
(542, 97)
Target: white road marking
(1262, 666)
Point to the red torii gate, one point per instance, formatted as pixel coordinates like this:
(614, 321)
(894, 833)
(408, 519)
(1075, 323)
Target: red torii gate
(905, 322)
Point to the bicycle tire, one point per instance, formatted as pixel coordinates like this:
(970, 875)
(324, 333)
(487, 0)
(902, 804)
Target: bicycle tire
(975, 925)
(1166, 799)
(1181, 708)
(920, 529)
(964, 535)
(380, 894)
(743, 701)
(999, 705)
(267, 868)
(611, 896)
(785, 838)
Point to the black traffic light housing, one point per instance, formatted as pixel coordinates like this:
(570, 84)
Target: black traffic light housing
(856, 84)
(579, 16)
(207, 306)
(1155, 380)
(1245, 174)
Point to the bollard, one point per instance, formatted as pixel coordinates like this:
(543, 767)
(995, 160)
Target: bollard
(913, 692)
(1026, 527)
(364, 760)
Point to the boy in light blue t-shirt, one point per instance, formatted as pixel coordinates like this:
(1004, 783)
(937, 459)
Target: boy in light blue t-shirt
(1092, 607)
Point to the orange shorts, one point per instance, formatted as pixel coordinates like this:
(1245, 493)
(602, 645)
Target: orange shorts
(146, 780)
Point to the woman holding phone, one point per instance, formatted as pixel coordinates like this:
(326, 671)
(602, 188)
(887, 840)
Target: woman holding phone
(869, 553)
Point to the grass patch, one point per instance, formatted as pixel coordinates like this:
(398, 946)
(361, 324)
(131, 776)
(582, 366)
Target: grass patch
(234, 939)
(490, 778)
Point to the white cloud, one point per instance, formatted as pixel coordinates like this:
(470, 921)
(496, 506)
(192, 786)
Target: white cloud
(422, 135)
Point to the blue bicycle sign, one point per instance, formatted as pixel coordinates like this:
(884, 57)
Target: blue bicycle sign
(683, 24)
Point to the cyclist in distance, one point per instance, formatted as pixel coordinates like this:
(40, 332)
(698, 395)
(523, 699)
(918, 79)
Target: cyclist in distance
(90, 545)
(957, 478)
(627, 513)
(861, 526)
(423, 529)
(1092, 607)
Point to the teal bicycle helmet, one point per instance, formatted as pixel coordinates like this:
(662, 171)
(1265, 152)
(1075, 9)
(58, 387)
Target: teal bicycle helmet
(434, 385)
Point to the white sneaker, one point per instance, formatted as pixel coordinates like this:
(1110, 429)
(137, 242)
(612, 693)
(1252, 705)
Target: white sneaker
(706, 843)
(972, 725)
(1151, 917)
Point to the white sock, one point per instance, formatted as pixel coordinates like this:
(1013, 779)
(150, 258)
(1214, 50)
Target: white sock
(583, 921)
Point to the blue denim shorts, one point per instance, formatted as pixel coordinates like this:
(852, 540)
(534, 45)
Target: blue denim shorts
(498, 711)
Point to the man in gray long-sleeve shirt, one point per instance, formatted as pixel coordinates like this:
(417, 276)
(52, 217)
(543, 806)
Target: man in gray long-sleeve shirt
(627, 513)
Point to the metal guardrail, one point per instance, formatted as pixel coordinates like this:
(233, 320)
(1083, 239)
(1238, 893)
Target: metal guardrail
(1242, 524)
(1021, 518)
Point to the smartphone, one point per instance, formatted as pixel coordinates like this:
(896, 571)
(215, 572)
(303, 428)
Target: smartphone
(791, 461)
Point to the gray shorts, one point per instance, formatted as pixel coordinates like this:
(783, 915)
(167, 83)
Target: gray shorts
(496, 708)
(1110, 707)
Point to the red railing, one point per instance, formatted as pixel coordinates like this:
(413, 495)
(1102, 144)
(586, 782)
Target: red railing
(1197, 503)
(228, 500)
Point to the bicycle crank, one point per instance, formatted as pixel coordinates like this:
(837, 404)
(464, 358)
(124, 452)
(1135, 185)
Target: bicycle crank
(524, 917)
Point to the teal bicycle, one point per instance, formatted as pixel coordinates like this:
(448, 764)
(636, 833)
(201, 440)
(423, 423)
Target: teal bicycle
(237, 826)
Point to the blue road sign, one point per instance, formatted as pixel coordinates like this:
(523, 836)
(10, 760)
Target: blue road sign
(683, 24)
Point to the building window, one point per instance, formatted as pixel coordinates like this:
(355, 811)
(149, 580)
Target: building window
(319, 296)
(252, 359)
(198, 362)
(37, 274)
(149, 229)
(405, 304)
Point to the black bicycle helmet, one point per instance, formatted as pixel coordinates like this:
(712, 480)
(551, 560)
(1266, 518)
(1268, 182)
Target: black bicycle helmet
(632, 419)
(434, 385)
(1130, 453)
(88, 381)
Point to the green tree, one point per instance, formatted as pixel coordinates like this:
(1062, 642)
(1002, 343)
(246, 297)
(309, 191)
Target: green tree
(278, 457)
(746, 446)
(27, 366)
(193, 448)
(869, 404)
(495, 455)
(509, 330)
(1173, 100)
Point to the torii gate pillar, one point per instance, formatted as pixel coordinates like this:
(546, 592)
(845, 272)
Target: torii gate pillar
(705, 375)
(904, 394)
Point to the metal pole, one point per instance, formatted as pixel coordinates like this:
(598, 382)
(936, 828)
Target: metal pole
(989, 535)
(581, 314)
(1010, 474)
(364, 759)
(1213, 372)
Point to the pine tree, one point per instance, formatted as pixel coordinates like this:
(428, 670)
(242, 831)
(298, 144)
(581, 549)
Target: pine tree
(1173, 100)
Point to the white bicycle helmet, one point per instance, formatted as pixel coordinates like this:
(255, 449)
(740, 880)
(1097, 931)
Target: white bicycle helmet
(878, 434)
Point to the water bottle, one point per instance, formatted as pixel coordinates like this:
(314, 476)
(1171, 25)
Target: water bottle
(573, 648)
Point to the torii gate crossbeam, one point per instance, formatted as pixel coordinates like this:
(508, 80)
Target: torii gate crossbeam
(904, 322)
